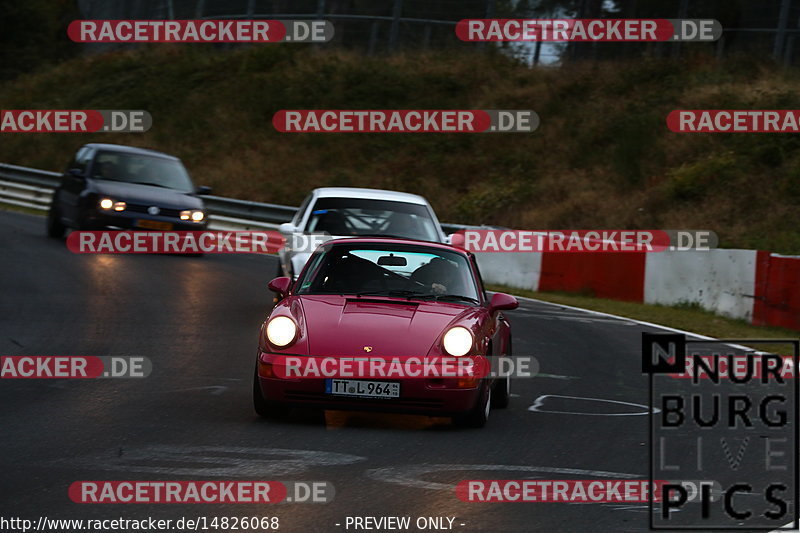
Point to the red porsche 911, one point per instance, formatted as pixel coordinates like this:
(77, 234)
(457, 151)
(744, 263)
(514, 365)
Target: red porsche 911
(384, 301)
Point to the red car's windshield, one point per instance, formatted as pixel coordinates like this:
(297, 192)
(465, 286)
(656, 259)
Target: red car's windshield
(391, 270)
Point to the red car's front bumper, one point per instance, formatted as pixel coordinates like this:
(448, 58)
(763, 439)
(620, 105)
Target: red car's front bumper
(433, 396)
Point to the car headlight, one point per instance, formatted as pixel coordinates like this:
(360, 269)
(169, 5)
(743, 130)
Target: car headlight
(281, 331)
(106, 203)
(120, 206)
(193, 215)
(457, 341)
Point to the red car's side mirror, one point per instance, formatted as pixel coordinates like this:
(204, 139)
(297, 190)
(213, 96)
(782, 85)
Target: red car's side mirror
(501, 301)
(280, 285)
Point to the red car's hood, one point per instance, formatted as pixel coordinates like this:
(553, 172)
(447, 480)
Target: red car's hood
(338, 325)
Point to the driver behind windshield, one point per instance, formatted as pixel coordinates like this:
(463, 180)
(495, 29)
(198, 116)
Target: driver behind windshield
(333, 222)
(440, 276)
(403, 225)
(107, 170)
(145, 175)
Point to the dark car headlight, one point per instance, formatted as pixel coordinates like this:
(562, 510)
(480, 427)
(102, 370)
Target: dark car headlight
(107, 204)
(195, 215)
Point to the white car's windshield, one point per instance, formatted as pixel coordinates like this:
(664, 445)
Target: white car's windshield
(391, 270)
(357, 216)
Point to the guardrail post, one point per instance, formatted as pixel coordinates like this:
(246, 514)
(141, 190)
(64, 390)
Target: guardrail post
(780, 35)
(489, 15)
(683, 11)
(426, 36)
(394, 31)
(789, 51)
(373, 38)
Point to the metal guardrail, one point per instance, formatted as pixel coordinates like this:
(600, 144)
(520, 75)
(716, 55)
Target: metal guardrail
(30, 196)
(30, 176)
(246, 209)
(33, 188)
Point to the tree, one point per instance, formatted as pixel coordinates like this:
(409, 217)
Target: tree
(34, 34)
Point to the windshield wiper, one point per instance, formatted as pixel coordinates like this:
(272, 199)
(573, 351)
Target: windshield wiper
(150, 183)
(398, 293)
(414, 295)
(456, 297)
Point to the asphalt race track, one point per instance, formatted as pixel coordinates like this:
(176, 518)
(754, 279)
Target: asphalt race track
(197, 320)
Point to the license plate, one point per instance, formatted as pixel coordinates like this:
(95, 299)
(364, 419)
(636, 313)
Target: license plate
(154, 224)
(358, 387)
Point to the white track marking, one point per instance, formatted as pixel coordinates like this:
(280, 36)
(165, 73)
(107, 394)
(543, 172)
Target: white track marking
(215, 390)
(538, 402)
(217, 461)
(409, 475)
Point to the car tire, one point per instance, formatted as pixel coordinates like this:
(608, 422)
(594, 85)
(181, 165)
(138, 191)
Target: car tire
(55, 228)
(502, 389)
(478, 415)
(501, 396)
(263, 407)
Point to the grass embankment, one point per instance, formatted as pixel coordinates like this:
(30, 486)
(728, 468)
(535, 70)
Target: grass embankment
(602, 157)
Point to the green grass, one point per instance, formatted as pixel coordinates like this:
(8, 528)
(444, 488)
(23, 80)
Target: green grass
(684, 317)
(601, 158)
(21, 209)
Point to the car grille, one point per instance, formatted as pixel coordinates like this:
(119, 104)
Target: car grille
(163, 211)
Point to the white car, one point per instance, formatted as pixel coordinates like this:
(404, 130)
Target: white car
(351, 212)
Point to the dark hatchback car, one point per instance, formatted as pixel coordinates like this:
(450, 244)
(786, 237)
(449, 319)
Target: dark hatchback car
(109, 186)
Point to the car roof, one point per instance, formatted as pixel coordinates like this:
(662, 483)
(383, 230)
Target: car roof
(395, 240)
(371, 194)
(129, 150)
